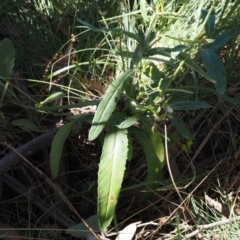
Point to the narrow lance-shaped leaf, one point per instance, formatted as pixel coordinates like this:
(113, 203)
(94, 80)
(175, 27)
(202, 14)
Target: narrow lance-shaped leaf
(129, 34)
(157, 144)
(7, 58)
(153, 155)
(110, 174)
(189, 105)
(53, 97)
(209, 27)
(108, 104)
(215, 69)
(180, 126)
(57, 147)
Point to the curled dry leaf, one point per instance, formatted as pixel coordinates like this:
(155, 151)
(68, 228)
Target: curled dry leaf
(128, 232)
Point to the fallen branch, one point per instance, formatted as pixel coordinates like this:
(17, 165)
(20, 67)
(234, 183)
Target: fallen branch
(27, 149)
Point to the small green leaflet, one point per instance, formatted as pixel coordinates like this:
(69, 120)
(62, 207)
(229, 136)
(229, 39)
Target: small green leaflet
(129, 121)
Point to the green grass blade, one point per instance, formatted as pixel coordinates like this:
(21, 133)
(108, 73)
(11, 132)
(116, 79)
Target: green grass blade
(110, 174)
(108, 104)
(189, 105)
(57, 147)
(215, 69)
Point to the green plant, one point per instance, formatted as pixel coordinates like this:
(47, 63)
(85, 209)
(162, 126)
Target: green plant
(149, 89)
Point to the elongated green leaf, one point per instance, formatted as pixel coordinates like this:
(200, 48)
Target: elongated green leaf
(110, 174)
(129, 122)
(180, 126)
(25, 123)
(52, 97)
(7, 58)
(154, 159)
(157, 144)
(231, 99)
(194, 65)
(57, 147)
(215, 69)
(108, 104)
(129, 34)
(209, 27)
(189, 105)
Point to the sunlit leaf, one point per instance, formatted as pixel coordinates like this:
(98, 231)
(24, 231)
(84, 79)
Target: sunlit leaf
(110, 174)
(143, 8)
(129, 121)
(53, 97)
(108, 104)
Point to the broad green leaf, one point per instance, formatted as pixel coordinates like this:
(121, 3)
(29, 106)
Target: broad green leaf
(189, 105)
(180, 126)
(81, 231)
(154, 159)
(209, 27)
(25, 123)
(110, 174)
(215, 69)
(108, 104)
(53, 97)
(57, 147)
(7, 59)
(129, 121)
